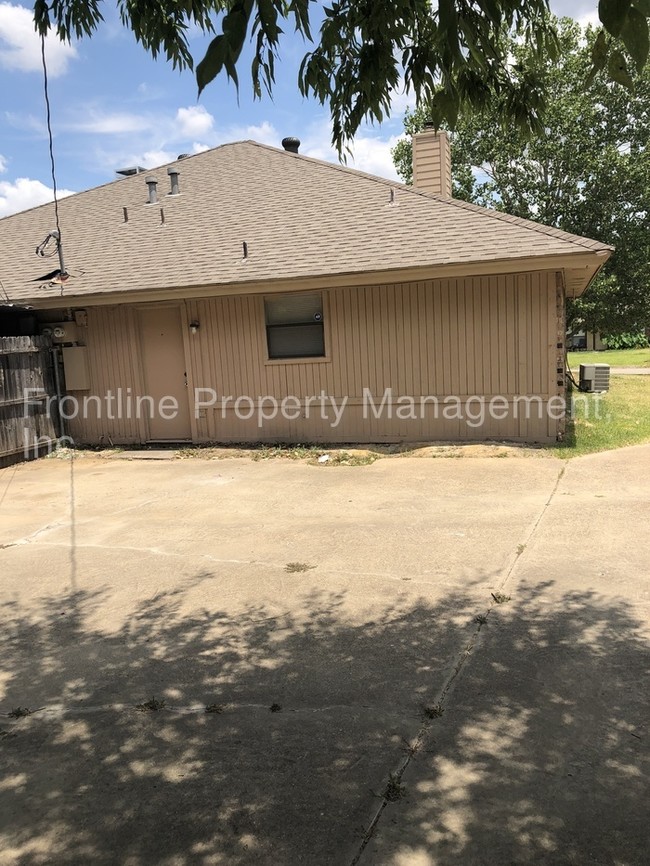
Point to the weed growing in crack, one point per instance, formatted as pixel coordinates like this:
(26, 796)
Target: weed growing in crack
(499, 597)
(411, 748)
(297, 567)
(19, 712)
(480, 618)
(151, 706)
(276, 708)
(520, 549)
(214, 708)
(394, 790)
(432, 711)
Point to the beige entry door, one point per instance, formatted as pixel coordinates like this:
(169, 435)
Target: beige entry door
(165, 374)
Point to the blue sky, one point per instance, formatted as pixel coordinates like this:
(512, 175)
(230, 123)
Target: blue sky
(113, 106)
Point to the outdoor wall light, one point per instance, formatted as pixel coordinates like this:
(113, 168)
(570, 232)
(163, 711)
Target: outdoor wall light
(194, 326)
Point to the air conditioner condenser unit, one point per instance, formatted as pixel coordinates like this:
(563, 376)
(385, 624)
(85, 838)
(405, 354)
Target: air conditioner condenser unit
(594, 377)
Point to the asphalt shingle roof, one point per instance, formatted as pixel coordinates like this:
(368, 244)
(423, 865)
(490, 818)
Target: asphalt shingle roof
(299, 217)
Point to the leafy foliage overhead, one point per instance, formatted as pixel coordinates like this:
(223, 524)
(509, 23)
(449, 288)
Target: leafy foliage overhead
(450, 55)
(589, 173)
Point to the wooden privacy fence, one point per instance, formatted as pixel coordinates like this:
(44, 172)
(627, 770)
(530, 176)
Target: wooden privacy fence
(27, 417)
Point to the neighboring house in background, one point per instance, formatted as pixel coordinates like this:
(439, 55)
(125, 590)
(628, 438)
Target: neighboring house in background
(264, 275)
(589, 340)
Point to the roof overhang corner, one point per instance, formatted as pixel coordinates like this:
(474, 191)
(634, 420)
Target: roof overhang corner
(578, 278)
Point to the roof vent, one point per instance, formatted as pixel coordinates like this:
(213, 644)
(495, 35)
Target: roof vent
(173, 176)
(182, 156)
(291, 144)
(130, 170)
(152, 184)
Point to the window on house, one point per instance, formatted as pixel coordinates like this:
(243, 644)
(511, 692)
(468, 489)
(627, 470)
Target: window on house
(294, 326)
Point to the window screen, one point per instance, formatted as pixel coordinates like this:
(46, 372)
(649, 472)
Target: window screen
(294, 326)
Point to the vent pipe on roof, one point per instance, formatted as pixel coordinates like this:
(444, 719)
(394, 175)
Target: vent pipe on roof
(291, 144)
(173, 176)
(152, 184)
(182, 156)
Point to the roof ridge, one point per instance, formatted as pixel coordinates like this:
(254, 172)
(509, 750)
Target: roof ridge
(549, 231)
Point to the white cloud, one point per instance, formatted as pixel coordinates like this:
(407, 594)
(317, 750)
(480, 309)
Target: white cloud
(20, 45)
(584, 11)
(26, 122)
(148, 92)
(101, 123)
(3, 164)
(370, 151)
(151, 140)
(24, 193)
(265, 133)
(154, 158)
(400, 100)
(372, 154)
(589, 18)
(194, 121)
(156, 140)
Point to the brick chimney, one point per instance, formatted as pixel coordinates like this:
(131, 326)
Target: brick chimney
(432, 162)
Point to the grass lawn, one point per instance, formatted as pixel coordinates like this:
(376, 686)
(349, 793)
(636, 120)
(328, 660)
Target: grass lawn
(615, 358)
(602, 422)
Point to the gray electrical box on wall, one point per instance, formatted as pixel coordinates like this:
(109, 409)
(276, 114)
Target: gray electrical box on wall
(75, 367)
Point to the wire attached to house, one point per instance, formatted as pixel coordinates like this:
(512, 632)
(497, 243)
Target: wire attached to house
(5, 293)
(570, 378)
(43, 247)
(58, 236)
(49, 133)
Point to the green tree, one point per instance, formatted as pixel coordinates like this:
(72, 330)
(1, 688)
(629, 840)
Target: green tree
(587, 173)
(449, 54)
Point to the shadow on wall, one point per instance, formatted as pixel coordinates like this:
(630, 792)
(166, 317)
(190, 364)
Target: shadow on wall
(535, 760)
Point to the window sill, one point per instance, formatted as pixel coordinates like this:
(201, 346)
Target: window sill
(275, 362)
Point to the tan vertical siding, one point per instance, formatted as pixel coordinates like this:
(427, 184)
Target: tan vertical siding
(477, 336)
(112, 340)
(432, 163)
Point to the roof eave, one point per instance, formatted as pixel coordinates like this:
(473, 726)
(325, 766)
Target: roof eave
(581, 264)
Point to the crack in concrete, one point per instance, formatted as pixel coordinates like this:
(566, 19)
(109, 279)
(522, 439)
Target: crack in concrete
(63, 524)
(157, 551)
(62, 711)
(422, 735)
(28, 539)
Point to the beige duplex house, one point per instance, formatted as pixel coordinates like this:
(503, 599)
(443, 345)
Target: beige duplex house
(250, 293)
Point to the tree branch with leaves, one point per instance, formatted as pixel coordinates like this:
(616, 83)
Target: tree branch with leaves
(588, 173)
(451, 56)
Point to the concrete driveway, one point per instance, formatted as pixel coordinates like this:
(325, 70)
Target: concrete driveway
(373, 704)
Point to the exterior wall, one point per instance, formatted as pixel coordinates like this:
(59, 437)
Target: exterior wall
(482, 336)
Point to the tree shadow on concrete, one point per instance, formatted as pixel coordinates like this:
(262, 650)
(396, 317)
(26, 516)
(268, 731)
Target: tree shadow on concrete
(542, 755)
(552, 685)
